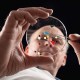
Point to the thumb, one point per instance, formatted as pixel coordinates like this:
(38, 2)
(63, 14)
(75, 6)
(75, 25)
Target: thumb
(37, 60)
(73, 43)
(74, 37)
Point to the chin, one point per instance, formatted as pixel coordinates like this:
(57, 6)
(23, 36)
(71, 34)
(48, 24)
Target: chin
(46, 67)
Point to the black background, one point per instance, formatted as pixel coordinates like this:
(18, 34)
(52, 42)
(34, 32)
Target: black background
(68, 12)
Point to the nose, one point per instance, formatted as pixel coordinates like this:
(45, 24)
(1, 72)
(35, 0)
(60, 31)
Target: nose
(45, 44)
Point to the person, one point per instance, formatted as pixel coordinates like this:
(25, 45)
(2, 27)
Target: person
(46, 41)
(12, 57)
(75, 43)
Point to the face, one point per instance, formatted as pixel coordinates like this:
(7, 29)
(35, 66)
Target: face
(48, 41)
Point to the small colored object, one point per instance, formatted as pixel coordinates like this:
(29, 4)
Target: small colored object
(45, 37)
(56, 37)
(52, 42)
(46, 33)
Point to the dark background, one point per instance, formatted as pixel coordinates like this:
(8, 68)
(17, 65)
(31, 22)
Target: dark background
(68, 12)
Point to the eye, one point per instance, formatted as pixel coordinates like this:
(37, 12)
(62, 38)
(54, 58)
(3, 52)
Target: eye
(56, 40)
(44, 38)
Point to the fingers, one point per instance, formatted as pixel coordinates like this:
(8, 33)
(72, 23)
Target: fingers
(75, 45)
(31, 61)
(28, 15)
(19, 16)
(50, 11)
(39, 12)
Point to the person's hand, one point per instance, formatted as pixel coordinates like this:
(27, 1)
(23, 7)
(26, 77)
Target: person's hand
(76, 45)
(12, 57)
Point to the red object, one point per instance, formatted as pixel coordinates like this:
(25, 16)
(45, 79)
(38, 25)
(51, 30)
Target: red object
(52, 42)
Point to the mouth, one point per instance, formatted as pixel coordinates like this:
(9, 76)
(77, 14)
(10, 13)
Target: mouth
(46, 54)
